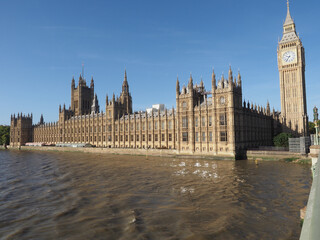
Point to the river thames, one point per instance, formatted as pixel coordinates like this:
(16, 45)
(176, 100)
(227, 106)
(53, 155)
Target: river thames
(52, 195)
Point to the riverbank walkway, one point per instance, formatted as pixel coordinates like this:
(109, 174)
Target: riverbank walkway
(311, 225)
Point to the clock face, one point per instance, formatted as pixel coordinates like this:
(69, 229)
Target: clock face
(288, 56)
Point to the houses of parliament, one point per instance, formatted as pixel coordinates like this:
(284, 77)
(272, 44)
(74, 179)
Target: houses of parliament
(209, 122)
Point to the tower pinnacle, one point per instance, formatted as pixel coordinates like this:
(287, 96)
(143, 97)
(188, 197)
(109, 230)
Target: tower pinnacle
(288, 18)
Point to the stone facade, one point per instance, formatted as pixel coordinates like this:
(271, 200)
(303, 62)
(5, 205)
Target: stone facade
(215, 122)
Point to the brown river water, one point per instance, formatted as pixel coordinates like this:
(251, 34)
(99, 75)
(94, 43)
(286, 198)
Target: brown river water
(51, 195)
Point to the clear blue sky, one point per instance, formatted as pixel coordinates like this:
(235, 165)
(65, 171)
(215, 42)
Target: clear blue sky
(44, 43)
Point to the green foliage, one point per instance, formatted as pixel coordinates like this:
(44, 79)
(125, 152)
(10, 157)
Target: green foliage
(4, 135)
(312, 129)
(282, 140)
(291, 159)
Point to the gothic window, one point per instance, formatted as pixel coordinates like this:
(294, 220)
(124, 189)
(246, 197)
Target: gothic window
(185, 137)
(156, 137)
(210, 121)
(138, 127)
(149, 125)
(137, 137)
(185, 122)
(196, 121)
(155, 125)
(203, 136)
(131, 137)
(116, 138)
(203, 121)
(131, 126)
(143, 126)
(116, 127)
(170, 137)
(222, 119)
(143, 137)
(149, 137)
(109, 138)
(162, 137)
(104, 138)
(162, 125)
(197, 137)
(126, 138)
(170, 124)
(121, 138)
(127, 127)
(210, 136)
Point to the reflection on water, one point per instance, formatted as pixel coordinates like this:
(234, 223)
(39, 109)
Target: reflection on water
(86, 196)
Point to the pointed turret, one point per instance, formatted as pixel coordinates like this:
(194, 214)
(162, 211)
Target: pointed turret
(213, 81)
(59, 108)
(190, 84)
(80, 80)
(73, 85)
(222, 81)
(230, 77)
(107, 100)
(239, 79)
(268, 108)
(92, 83)
(125, 85)
(201, 85)
(178, 87)
(41, 120)
(95, 105)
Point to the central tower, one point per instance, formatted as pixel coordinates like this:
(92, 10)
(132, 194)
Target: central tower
(291, 64)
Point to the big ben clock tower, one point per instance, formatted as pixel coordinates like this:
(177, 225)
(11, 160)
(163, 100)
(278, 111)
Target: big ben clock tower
(291, 64)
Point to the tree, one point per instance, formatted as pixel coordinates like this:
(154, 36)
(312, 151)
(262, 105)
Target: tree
(4, 135)
(282, 139)
(312, 129)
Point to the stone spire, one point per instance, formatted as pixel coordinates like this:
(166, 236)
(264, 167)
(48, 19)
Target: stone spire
(230, 77)
(213, 81)
(239, 79)
(73, 83)
(92, 83)
(95, 105)
(190, 85)
(125, 85)
(177, 86)
(41, 119)
(288, 18)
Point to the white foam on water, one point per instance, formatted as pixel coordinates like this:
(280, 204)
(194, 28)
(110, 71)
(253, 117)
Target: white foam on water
(182, 164)
(186, 190)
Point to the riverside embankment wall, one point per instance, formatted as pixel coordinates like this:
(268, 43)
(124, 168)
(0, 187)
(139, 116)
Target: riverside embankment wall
(126, 151)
